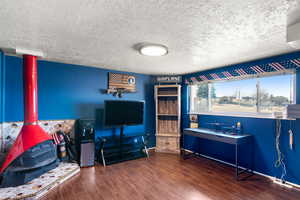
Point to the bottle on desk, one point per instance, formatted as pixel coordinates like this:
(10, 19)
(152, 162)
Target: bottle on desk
(238, 128)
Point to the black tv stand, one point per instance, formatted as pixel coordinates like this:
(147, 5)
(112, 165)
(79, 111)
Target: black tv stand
(118, 148)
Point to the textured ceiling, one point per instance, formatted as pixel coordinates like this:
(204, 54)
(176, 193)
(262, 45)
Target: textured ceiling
(200, 34)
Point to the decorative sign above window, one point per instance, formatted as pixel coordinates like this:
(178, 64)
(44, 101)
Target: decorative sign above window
(120, 83)
(168, 79)
(278, 64)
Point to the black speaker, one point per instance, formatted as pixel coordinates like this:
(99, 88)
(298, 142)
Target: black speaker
(85, 142)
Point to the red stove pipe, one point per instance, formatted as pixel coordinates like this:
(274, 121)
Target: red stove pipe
(31, 133)
(30, 89)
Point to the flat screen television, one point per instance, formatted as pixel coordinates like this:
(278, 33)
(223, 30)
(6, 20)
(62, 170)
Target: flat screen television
(123, 113)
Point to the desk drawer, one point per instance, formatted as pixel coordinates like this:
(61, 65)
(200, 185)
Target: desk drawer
(167, 144)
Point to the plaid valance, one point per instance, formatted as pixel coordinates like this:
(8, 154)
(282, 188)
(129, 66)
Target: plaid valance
(278, 64)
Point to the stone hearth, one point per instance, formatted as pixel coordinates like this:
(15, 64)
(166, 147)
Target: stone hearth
(41, 185)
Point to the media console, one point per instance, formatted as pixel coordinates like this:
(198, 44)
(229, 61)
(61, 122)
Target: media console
(118, 148)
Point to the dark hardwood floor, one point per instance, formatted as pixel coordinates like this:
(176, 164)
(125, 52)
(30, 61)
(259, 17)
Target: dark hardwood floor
(166, 176)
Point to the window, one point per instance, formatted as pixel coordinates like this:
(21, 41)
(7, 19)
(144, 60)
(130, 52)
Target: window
(263, 95)
(234, 96)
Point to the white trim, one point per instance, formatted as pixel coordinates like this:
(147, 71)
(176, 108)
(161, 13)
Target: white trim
(294, 89)
(240, 114)
(250, 114)
(295, 186)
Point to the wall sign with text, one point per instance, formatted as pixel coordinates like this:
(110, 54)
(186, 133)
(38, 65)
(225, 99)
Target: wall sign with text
(168, 79)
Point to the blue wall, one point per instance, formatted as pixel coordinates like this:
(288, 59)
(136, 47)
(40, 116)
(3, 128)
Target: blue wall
(263, 131)
(2, 88)
(70, 92)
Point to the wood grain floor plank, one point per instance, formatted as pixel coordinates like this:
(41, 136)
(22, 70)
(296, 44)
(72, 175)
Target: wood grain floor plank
(167, 177)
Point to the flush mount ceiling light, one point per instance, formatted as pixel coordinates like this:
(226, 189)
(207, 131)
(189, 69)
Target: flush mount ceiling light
(153, 50)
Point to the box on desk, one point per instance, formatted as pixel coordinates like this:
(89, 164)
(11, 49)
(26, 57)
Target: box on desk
(194, 125)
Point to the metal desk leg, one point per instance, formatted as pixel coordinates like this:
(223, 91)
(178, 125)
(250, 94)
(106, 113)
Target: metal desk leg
(248, 169)
(102, 152)
(103, 159)
(182, 149)
(182, 153)
(236, 162)
(252, 156)
(145, 148)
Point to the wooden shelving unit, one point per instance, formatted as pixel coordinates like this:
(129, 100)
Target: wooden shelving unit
(167, 98)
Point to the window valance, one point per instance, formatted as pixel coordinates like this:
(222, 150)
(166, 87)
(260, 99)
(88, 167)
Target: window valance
(246, 70)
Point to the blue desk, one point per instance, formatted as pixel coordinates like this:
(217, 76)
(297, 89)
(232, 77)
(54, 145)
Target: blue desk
(228, 138)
